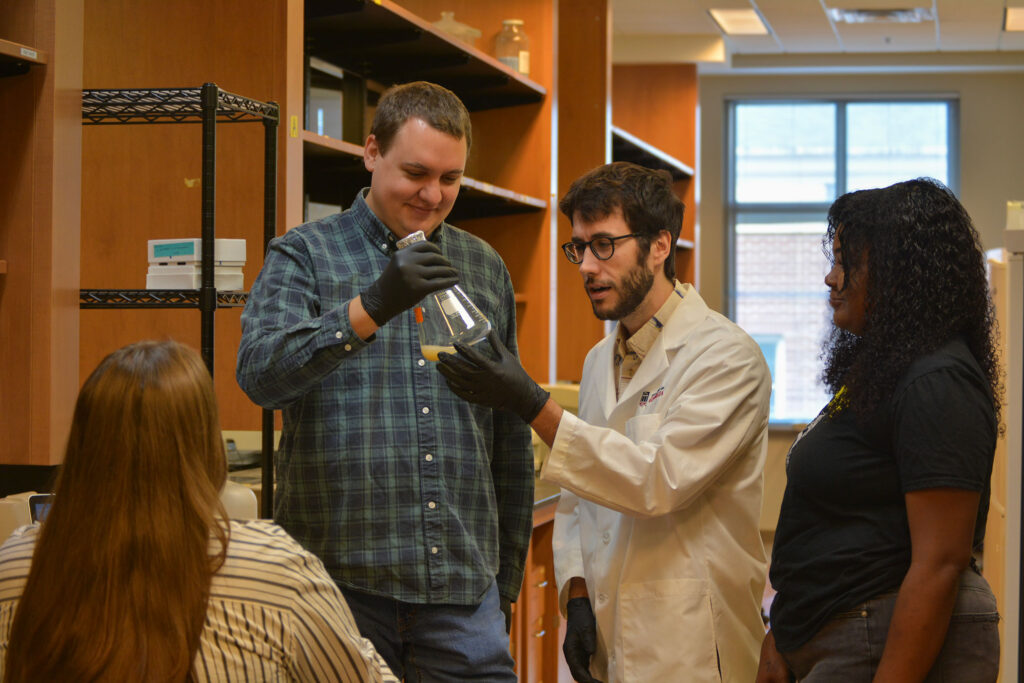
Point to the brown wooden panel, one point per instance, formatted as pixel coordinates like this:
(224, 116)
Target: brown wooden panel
(658, 103)
(17, 227)
(584, 57)
(522, 241)
(18, 22)
(39, 193)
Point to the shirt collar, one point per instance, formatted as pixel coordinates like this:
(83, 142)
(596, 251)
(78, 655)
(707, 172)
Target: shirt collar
(379, 234)
(643, 339)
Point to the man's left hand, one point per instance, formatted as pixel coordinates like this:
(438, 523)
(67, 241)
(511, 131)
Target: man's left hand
(500, 383)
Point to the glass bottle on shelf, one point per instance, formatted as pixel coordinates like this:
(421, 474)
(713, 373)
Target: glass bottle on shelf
(446, 317)
(512, 46)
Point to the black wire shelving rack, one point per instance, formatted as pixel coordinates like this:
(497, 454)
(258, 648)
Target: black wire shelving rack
(207, 105)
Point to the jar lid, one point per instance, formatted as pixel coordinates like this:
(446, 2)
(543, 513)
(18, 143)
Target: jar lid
(512, 22)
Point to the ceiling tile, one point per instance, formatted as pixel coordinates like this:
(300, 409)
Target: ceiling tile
(887, 37)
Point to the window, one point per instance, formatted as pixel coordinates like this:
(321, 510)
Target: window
(788, 160)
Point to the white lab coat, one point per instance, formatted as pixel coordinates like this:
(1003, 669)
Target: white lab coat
(661, 500)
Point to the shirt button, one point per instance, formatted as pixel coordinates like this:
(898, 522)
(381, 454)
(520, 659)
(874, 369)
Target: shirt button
(431, 505)
(384, 246)
(425, 410)
(338, 335)
(348, 347)
(433, 551)
(421, 362)
(429, 457)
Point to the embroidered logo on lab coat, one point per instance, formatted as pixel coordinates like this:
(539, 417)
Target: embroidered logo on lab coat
(647, 398)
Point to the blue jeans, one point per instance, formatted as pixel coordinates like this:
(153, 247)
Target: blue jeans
(849, 646)
(442, 643)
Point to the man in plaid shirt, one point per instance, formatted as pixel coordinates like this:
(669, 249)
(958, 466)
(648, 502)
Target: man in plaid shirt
(419, 503)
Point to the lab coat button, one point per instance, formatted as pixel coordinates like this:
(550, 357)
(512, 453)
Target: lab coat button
(601, 597)
(607, 537)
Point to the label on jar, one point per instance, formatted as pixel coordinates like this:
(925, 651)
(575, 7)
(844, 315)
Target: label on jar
(524, 62)
(448, 304)
(510, 61)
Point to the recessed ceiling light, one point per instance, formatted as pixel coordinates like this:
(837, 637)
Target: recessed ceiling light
(1013, 20)
(881, 16)
(739, 22)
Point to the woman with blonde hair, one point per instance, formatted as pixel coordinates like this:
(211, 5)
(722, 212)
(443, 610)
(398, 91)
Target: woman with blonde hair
(137, 575)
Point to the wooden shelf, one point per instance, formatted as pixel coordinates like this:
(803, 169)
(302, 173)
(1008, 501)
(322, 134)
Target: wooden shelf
(382, 41)
(15, 58)
(3, 266)
(326, 147)
(335, 172)
(628, 147)
(478, 199)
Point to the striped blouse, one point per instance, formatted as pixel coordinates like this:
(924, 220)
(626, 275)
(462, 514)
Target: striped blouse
(274, 614)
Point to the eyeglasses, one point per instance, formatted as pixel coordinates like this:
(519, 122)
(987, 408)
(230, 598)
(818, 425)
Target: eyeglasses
(601, 247)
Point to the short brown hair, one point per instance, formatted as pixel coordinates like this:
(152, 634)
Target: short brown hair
(643, 195)
(438, 106)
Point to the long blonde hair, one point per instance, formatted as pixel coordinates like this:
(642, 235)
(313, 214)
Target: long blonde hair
(121, 572)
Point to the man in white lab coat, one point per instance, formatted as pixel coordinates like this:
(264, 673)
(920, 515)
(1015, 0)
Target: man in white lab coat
(658, 556)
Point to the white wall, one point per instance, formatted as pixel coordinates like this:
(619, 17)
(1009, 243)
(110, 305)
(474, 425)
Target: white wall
(991, 145)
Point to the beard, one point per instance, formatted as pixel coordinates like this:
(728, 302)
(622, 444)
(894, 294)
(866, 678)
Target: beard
(631, 290)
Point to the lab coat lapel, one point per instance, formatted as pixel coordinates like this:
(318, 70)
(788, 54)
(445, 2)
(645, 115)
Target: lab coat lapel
(655, 364)
(691, 310)
(603, 357)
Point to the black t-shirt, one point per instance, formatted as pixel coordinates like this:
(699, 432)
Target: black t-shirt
(843, 536)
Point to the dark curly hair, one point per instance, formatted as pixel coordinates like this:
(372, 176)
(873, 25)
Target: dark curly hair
(644, 196)
(926, 284)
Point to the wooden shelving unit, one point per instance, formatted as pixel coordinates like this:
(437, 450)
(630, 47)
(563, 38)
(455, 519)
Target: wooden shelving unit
(335, 172)
(383, 41)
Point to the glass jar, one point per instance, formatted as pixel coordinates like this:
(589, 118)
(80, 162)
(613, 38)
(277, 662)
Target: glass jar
(512, 46)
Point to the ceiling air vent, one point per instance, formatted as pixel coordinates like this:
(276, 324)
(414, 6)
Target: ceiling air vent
(881, 16)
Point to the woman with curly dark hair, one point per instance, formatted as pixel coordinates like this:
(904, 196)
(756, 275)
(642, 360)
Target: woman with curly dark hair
(888, 488)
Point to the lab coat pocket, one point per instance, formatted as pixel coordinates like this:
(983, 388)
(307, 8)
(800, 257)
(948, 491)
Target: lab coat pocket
(642, 427)
(667, 631)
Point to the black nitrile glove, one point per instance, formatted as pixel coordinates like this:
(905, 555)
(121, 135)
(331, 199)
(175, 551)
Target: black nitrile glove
(580, 639)
(413, 272)
(501, 383)
(506, 609)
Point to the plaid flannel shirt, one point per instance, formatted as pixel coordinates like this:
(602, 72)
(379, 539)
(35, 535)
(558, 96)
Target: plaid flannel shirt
(399, 486)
